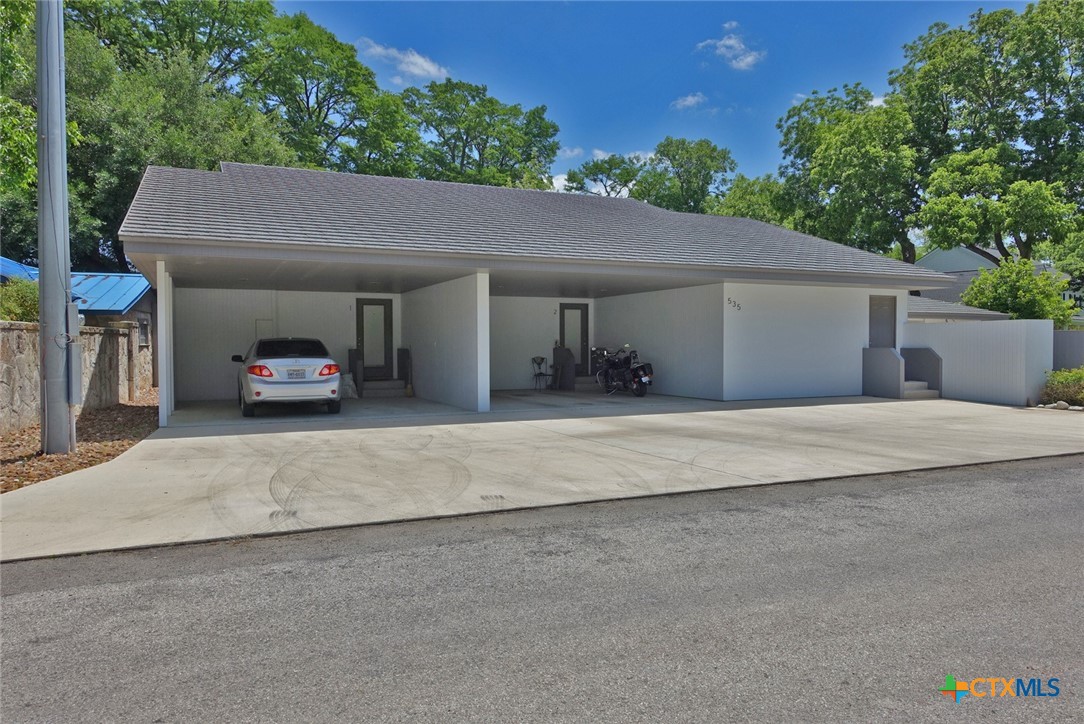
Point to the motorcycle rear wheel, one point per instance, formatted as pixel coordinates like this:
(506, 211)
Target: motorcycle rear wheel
(639, 388)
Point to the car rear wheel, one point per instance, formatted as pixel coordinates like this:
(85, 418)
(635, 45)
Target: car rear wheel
(334, 406)
(247, 409)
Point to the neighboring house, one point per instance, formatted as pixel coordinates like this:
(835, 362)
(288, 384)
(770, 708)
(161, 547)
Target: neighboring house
(963, 265)
(11, 269)
(106, 299)
(922, 309)
(475, 281)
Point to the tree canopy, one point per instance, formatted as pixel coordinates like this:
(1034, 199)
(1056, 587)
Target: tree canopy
(1014, 288)
(680, 175)
(475, 138)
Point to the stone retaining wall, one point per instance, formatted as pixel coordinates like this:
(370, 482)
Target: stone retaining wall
(109, 353)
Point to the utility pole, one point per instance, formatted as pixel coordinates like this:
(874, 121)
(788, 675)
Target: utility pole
(59, 338)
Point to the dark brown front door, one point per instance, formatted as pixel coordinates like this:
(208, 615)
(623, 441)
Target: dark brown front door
(374, 341)
(574, 334)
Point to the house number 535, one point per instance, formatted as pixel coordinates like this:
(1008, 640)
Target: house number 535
(734, 303)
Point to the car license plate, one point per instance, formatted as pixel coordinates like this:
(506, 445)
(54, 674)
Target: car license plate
(295, 374)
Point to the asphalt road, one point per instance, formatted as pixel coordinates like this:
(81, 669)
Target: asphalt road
(846, 600)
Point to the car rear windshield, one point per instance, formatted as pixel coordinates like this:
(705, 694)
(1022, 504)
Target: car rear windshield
(291, 348)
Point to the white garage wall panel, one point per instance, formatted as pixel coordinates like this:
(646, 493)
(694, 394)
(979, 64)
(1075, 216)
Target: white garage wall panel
(1002, 362)
(679, 331)
(796, 341)
(211, 325)
(446, 328)
(521, 328)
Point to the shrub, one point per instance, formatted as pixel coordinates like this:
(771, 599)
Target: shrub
(19, 301)
(1067, 385)
(1015, 288)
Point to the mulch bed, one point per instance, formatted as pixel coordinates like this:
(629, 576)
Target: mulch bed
(101, 435)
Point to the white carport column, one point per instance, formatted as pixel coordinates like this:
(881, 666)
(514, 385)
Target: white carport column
(482, 339)
(165, 344)
(446, 328)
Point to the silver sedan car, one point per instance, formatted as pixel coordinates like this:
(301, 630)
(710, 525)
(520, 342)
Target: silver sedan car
(287, 369)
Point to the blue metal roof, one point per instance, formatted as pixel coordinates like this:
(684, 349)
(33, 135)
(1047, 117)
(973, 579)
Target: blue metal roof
(102, 293)
(11, 269)
(95, 292)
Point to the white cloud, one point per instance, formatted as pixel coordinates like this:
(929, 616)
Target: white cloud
(690, 101)
(730, 25)
(797, 98)
(411, 64)
(598, 154)
(560, 181)
(564, 152)
(877, 101)
(732, 48)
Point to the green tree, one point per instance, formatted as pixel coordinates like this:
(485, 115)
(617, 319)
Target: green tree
(763, 198)
(803, 130)
(218, 33)
(165, 115)
(612, 175)
(387, 143)
(1014, 288)
(475, 138)
(1006, 79)
(1067, 257)
(681, 174)
(850, 169)
(314, 83)
(971, 200)
(18, 119)
(865, 172)
(161, 113)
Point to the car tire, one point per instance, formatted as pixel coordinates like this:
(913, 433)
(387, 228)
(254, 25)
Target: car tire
(334, 406)
(247, 409)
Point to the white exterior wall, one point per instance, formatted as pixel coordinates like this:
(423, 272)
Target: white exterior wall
(214, 324)
(446, 328)
(1002, 362)
(797, 341)
(521, 328)
(679, 331)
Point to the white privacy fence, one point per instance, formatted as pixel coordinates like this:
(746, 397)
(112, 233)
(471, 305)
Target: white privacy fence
(1003, 362)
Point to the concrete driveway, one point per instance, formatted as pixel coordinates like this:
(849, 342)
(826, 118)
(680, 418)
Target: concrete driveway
(211, 481)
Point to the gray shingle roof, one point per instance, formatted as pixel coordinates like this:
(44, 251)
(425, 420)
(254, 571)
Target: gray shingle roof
(926, 308)
(244, 203)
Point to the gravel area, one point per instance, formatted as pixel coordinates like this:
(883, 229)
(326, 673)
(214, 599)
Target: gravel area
(101, 436)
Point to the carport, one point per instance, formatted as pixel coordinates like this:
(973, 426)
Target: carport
(475, 281)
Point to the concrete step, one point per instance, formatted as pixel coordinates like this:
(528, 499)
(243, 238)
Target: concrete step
(921, 395)
(384, 384)
(916, 385)
(383, 388)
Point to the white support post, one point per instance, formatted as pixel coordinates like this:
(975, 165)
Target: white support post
(482, 340)
(165, 344)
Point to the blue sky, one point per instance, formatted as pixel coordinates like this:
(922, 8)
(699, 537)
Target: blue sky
(618, 77)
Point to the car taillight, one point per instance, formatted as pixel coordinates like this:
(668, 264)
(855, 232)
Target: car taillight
(329, 370)
(260, 371)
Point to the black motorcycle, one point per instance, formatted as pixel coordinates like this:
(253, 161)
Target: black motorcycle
(621, 370)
